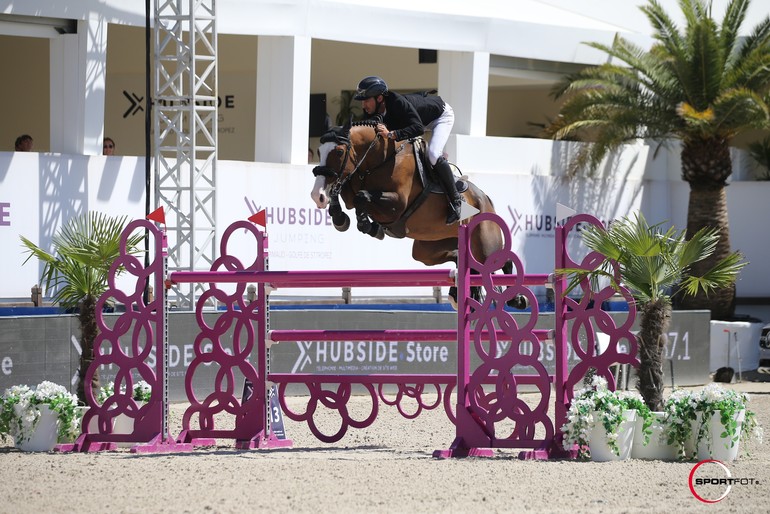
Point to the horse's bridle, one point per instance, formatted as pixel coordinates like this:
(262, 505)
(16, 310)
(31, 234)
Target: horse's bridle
(339, 179)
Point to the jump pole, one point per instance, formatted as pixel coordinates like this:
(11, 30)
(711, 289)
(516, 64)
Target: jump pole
(474, 425)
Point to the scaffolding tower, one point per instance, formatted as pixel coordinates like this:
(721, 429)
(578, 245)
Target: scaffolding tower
(185, 94)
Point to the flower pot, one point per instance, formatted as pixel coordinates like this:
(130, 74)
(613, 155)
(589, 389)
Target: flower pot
(43, 436)
(600, 449)
(713, 445)
(121, 424)
(657, 448)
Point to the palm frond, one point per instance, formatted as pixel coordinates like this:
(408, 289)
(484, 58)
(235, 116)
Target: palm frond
(756, 41)
(665, 30)
(701, 245)
(652, 260)
(84, 250)
(739, 108)
(731, 24)
(751, 72)
(719, 276)
(704, 74)
(697, 82)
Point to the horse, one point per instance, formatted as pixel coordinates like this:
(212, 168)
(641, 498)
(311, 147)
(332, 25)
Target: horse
(388, 185)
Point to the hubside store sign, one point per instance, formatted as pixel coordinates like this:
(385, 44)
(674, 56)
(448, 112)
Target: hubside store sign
(687, 349)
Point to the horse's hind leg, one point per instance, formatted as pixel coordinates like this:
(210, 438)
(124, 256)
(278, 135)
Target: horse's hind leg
(432, 253)
(368, 226)
(486, 240)
(519, 301)
(477, 293)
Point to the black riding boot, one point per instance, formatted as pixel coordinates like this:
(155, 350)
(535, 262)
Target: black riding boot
(447, 181)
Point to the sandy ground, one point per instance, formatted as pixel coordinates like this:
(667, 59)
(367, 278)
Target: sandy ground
(385, 468)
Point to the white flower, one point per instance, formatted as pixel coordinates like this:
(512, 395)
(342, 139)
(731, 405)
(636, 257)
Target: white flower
(20, 409)
(142, 391)
(599, 382)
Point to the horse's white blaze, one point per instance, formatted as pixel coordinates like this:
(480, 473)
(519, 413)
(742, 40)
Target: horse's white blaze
(318, 194)
(324, 150)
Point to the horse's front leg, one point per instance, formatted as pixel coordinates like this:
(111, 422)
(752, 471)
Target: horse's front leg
(340, 220)
(368, 226)
(374, 208)
(382, 207)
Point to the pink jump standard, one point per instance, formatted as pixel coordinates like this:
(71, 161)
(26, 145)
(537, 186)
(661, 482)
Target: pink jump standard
(486, 396)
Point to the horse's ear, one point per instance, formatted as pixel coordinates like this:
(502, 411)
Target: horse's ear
(348, 124)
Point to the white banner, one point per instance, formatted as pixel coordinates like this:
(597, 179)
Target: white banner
(40, 191)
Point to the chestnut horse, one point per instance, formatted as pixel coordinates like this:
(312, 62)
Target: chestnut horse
(380, 179)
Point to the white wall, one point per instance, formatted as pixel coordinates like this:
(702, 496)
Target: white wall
(40, 191)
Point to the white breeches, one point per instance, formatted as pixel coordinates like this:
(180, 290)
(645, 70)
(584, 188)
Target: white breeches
(441, 127)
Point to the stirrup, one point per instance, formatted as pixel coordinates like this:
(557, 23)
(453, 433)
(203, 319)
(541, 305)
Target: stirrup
(453, 216)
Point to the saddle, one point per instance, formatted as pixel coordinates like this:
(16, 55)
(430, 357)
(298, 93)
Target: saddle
(428, 181)
(397, 229)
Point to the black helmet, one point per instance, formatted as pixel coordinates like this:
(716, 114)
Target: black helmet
(370, 87)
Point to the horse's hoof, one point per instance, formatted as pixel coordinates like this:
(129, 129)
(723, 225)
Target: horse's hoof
(380, 233)
(519, 302)
(343, 225)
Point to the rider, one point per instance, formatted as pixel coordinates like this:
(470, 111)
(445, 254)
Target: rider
(409, 116)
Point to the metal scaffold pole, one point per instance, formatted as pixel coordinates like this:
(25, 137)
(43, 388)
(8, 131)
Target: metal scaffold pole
(185, 135)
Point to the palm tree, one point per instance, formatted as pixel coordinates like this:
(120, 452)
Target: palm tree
(702, 85)
(650, 263)
(77, 272)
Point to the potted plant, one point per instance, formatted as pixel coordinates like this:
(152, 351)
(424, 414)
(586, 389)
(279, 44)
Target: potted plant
(650, 433)
(37, 418)
(654, 264)
(123, 424)
(681, 413)
(77, 271)
(601, 422)
(723, 420)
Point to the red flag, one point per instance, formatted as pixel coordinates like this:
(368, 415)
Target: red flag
(158, 215)
(259, 218)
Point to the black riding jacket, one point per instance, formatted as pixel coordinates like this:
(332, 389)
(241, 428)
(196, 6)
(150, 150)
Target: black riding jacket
(407, 115)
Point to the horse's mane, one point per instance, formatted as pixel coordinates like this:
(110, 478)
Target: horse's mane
(366, 123)
(339, 134)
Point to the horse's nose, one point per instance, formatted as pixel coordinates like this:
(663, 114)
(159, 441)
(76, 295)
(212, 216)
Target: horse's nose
(320, 198)
(318, 193)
